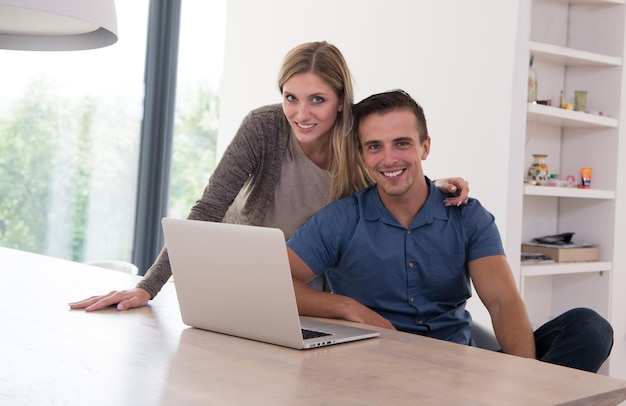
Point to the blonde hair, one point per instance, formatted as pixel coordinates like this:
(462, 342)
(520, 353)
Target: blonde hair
(347, 173)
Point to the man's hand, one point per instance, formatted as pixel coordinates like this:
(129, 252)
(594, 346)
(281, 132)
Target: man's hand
(362, 314)
(124, 299)
(457, 186)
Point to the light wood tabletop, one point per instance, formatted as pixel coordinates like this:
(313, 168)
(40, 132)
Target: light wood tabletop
(50, 354)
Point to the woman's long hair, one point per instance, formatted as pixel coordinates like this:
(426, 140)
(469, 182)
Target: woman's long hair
(347, 173)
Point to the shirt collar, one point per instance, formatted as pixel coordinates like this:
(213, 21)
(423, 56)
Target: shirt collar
(433, 208)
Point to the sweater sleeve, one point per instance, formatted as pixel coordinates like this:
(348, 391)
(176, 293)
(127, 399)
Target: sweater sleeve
(242, 161)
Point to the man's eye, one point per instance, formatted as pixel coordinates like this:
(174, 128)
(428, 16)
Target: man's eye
(373, 147)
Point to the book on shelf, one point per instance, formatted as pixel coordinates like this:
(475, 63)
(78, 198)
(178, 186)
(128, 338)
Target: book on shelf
(536, 258)
(572, 252)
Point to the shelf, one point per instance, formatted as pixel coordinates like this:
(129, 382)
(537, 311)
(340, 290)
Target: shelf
(553, 191)
(567, 118)
(575, 44)
(564, 268)
(591, 2)
(571, 57)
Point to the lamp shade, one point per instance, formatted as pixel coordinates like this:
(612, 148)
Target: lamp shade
(57, 25)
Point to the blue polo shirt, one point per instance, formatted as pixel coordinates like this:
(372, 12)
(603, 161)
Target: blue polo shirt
(417, 278)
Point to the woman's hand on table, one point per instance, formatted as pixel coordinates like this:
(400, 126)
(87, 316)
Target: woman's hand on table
(124, 299)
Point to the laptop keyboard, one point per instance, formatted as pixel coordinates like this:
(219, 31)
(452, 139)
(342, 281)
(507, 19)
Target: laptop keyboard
(306, 334)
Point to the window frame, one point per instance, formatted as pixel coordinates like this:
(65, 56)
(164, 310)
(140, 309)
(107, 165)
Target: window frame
(157, 130)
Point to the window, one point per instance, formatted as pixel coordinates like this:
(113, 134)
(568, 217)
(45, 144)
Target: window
(70, 125)
(200, 61)
(69, 133)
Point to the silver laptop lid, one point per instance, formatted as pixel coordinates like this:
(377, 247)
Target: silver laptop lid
(235, 279)
(232, 279)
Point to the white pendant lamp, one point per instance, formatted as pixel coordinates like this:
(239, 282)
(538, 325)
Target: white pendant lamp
(57, 25)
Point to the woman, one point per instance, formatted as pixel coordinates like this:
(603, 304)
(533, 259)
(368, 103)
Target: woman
(283, 165)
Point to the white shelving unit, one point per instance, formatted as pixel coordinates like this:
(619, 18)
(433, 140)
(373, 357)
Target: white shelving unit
(577, 45)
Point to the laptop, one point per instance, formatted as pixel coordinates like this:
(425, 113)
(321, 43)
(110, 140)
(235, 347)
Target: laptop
(235, 279)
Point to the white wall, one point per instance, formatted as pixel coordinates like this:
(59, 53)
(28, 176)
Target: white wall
(455, 57)
(458, 59)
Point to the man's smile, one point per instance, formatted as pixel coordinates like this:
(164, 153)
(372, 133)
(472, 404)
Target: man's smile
(393, 174)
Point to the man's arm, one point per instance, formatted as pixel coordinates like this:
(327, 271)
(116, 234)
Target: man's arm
(312, 302)
(494, 283)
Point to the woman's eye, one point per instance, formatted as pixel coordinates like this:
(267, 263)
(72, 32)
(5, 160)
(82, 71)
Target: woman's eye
(290, 98)
(318, 100)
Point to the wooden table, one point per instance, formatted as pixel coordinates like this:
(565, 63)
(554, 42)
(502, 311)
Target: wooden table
(52, 355)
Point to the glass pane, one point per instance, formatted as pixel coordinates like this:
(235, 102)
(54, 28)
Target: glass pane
(200, 60)
(69, 139)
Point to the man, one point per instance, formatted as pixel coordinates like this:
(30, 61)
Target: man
(395, 257)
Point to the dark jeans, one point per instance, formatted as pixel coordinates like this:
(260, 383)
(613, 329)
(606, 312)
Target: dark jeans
(579, 338)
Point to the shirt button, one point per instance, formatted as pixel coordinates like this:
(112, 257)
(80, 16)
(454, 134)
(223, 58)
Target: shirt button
(411, 265)
(412, 300)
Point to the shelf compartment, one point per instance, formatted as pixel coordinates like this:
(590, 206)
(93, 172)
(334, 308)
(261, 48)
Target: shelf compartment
(553, 191)
(571, 57)
(564, 268)
(568, 118)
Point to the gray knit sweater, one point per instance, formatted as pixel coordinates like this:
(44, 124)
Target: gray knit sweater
(250, 166)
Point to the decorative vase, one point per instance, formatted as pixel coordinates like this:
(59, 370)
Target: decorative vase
(539, 171)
